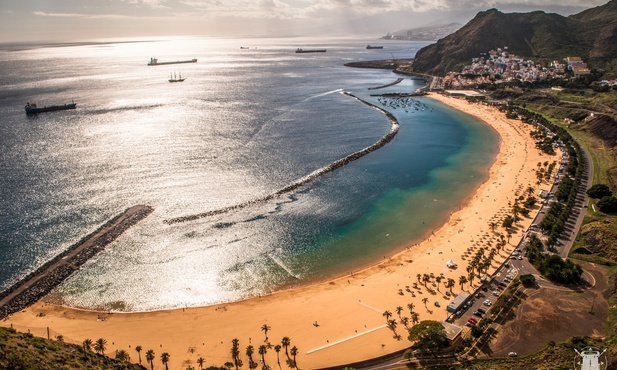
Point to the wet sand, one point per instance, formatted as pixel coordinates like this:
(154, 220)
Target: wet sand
(348, 310)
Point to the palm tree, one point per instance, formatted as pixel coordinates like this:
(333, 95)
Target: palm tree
(294, 352)
(235, 351)
(405, 321)
(200, 362)
(415, 318)
(387, 314)
(122, 355)
(99, 346)
(438, 279)
(426, 278)
(450, 284)
(399, 309)
(286, 342)
(419, 276)
(411, 306)
(530, 190)
(471, 276)
(265, 329)
(392, 324)
(150, 358)
(249, 353)
(462, 280)
(492, 225)
(262, 352)
(138, 349)
(277, 349)
(87, 344)
(165, 359)
(425, 301)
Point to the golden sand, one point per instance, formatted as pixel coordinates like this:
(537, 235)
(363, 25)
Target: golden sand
(348, 310)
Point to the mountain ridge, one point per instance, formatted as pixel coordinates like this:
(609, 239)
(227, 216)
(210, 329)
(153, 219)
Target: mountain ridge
(591, 34)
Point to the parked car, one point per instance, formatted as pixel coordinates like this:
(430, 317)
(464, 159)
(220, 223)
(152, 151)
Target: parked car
(481, 310)
(477, 313)
(512, 354)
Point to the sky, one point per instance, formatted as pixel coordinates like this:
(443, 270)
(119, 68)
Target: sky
(80, 20)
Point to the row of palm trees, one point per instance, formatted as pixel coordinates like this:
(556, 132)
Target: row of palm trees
(413, 318)
(100, 345)
(426, 278)
(263, 350)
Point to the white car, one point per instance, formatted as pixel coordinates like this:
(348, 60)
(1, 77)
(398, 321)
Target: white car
(512, 354)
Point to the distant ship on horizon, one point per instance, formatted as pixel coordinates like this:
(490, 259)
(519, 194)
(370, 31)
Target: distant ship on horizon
(173, 78)
(155, 62)
(298, 50)
(31, 108)
(374, 47)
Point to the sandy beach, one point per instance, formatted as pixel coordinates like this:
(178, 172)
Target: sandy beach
(348, 310)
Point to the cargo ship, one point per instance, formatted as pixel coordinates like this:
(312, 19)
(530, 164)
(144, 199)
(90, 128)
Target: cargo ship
(374, 47)
(298, 50)
(31, 108)
(155, 62)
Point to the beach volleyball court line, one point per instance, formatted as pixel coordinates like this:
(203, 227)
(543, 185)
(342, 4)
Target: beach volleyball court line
(345, 339)
(369, 307)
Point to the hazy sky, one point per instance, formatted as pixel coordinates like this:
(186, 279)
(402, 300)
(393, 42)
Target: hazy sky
(75, 20)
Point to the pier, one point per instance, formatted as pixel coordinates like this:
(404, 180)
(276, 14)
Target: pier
(41, 281)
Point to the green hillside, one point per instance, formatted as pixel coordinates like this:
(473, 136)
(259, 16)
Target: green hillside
(25, 351)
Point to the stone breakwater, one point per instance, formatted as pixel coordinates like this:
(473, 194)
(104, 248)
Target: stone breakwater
(394, 126)
(40, 282)
(398, 81)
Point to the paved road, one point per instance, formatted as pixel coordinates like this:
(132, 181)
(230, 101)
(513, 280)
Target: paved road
(582, 201)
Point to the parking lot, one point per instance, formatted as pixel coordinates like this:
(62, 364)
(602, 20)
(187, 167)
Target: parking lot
(480, 302)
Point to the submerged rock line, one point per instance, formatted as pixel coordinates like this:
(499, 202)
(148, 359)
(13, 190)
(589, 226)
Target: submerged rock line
(41, 281)
(311, 176)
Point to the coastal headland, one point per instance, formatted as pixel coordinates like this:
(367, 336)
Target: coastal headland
(336, 322)
(41, 281)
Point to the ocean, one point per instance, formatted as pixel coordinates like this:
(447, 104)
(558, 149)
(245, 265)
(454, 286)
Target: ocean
(245, 123)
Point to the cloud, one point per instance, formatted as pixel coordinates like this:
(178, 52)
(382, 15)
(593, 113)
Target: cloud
(244, 8)
(158, 4)
(90, 16)
(327, 9)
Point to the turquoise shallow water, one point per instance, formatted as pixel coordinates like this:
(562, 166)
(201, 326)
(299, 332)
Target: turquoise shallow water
(244, 124)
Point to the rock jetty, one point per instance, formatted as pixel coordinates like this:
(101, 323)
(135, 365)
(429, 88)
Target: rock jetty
(310, 177)
(41, 281)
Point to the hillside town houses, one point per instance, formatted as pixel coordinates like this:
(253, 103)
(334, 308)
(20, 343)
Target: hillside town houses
(500, 66)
